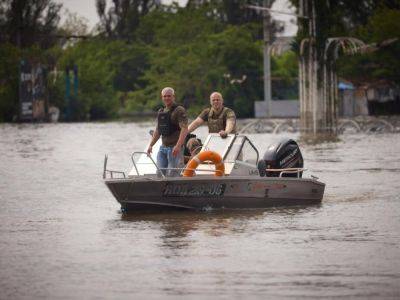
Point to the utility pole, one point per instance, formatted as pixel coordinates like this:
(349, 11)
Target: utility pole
(267, 58)
(266, 9)
(266, 51)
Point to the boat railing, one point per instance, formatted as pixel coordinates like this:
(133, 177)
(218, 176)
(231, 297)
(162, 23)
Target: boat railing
(288, 171)
(145, 163)
(160, 170)
(111, 172)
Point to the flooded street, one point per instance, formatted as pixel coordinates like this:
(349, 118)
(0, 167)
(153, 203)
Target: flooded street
(62, 235)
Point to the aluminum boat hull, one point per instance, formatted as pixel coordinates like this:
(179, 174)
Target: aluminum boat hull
(209, 192)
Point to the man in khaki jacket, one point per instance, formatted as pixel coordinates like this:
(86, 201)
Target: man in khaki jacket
(219, 119)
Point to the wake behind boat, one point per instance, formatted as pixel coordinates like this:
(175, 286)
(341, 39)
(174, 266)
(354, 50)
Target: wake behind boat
(227, 174)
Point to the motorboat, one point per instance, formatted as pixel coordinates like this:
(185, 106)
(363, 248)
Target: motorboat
(227, 173)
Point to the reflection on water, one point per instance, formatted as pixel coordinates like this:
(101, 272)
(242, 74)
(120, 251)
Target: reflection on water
(180, 225)
(62, 235)
(316, 139)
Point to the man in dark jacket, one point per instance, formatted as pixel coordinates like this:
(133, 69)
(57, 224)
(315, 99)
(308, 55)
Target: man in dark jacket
(172, 126)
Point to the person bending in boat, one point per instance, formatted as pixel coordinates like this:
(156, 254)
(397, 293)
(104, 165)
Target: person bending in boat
(220, 119)
(193, 146)
(172, 126)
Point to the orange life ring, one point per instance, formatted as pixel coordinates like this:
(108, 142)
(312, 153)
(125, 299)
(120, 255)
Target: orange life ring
(212, 156)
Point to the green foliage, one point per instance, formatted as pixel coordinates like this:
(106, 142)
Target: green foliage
(194, 58)
(285, 72)
(123, 17)
(207, 46)
(9, 62)
(27, 30)
(285, 67)
(98, 62)
(25, 23)
(10, 57)
(233, 12)
(383, 63)
(152, 49)
(372, 21)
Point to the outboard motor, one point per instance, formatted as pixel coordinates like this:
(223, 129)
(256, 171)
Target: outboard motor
(282, 155)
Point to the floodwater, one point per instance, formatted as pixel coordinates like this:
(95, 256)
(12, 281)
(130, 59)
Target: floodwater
(62, 235)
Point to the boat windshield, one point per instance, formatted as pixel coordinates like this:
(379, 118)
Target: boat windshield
(232, 148)
(235, 149)
(215, 143)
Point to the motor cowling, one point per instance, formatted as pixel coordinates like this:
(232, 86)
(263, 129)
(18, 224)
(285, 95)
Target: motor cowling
(284, 154)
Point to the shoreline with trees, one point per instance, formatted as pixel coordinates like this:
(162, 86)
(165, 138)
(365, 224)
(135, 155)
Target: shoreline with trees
(141, 46)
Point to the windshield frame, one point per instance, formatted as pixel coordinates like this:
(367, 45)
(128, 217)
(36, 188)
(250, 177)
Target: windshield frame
(230, 142)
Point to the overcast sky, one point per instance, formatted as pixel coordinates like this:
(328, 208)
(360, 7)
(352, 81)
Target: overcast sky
(87, 9)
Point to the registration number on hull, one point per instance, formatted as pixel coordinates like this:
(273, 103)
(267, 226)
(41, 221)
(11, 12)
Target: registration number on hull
(194, 190)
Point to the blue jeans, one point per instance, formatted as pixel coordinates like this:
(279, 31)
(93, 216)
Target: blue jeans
(165, 160)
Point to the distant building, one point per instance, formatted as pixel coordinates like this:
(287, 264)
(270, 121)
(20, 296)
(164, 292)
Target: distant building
(368, 98)
(355, 99)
